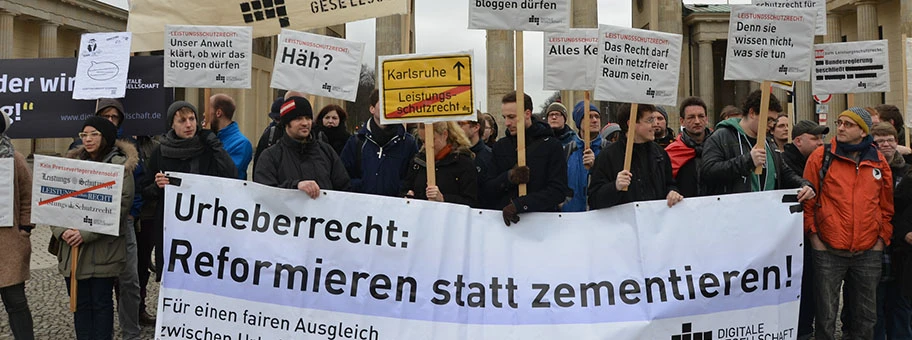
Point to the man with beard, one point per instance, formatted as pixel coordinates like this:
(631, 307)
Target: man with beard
(686, 152)
(221, 121)
(663, 134)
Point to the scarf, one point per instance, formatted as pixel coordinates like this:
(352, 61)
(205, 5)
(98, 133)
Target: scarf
(6, 146)
(861, 146)
(443, 152)
(383, 135)
(173, 146)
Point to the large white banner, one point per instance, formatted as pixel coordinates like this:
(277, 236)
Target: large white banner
(317, 64)
(208, 56)
(248, 261)
(818, 5)
(766, 43)
(77, 194)
(520, 15)
(7, 197)
(851, 67)
(638, 66)
(571, 59)
(103, 62)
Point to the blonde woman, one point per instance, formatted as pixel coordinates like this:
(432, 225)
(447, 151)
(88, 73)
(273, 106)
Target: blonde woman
(455, 168)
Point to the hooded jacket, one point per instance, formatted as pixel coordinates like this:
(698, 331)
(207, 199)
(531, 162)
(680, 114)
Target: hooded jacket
(547, 187)
(238, 147)
(289, 161)
(686, 158)
(457, 178)
(651, 169)
(378, 169)
(101, 255)
(728, 168)
(578, 176)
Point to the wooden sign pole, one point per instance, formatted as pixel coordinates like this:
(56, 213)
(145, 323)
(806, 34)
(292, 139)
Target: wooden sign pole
(905, 83)
(74, 255)
(429, 154)
(585, 122)
(207, 92)
(762, 124)
(850, 100)
(791, 117)
(631, 126)
(520, 109)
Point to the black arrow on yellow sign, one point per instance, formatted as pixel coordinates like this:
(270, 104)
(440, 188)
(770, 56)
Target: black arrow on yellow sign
(459, 66)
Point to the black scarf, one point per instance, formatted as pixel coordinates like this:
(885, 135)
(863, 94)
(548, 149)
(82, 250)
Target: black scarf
(173, 146)
(6, 146)
(381, 135)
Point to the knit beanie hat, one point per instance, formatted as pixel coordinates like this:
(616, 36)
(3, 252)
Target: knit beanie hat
(861, 117)
(557, 107)
(295, 107)
(578, 112)
(172, 110)
(107, 129)
(276, 109)
(662, 111)
(105, 103)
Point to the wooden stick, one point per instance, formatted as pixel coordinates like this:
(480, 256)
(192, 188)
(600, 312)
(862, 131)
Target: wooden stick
(585, 122)
(762, 124)
(74, 256)
(905, 83)
(429, 154)
(907, 136)
(207, 92)
(850, 99)
(791, 119)
(631, 126)
(520, 109)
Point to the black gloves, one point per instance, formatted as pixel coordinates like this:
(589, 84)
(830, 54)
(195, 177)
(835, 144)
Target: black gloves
(510, 214)
(518, 175)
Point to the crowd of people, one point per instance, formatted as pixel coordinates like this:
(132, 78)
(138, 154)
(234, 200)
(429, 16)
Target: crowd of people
(853, 190)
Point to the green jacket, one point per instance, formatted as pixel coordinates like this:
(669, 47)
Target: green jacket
(103, 255)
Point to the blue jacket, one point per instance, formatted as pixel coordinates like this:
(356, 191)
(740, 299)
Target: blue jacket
(238, 147)
(378, 169)
(578, 176)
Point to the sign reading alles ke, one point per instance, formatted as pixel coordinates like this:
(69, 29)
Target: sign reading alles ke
(426, 88)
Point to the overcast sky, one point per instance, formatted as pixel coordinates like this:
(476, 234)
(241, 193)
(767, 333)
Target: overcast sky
(440, 26)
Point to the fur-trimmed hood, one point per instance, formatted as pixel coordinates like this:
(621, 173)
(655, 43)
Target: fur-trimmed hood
(123, 153)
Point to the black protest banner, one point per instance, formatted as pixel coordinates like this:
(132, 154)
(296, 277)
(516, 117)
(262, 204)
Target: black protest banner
(37, 96)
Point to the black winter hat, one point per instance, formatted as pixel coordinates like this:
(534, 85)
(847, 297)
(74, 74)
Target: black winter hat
(177, 106)
(105, 103)
(107, 129)
(295, 107)
(276, 109)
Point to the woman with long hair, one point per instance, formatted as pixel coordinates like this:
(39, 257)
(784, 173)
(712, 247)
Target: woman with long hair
(455, 168)
(330, 127)
(489, 135)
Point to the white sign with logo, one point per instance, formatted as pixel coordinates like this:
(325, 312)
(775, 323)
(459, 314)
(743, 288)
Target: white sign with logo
(520, 15)
(77, 194)
(570, 59)
(766, 43)
(817, 5)
(7, 199)
(317, 64)
(208, 56)
(851, 67)
(638, 66)
(101, 70)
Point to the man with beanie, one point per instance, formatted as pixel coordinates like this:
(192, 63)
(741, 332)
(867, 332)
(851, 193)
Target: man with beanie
(686, 152)
(545, 173)
(848, 224)
(299, 160)
(664, 134)
(556, 116)
(377, 157)
(221, 121)
(272, 133)
(582, 158)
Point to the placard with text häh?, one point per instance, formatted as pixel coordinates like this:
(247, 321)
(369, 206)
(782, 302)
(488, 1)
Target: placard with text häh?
(317, 64)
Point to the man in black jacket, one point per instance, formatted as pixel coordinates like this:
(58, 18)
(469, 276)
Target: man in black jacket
(730, 156)
(806, 137)
(686, 152)
(649, 177)
(545, 173)
(298, 160)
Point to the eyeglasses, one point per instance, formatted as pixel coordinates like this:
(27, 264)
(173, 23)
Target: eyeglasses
(889, 140)
(649, 120)
(845, 123)
(93, 134)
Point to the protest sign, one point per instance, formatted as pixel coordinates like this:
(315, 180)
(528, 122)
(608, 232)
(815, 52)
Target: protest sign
(570, 59)
(148, 18)
(638, 66)
(101, 70)
(851, 67)
(7, 198)
(208, 56)
(77, 194)
(37, 95)
(317, 64)
(818, 5)
(520, 15)
(767, 43)
(249, 261)
(429, 87)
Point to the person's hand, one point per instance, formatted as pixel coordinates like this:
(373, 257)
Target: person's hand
(806, 193)
(510, 214)
(623, 180)
(410, 194)
(161, 180)
(71, 237)
(879, 245)
(309, 187)
(673, 198)
(518, 175)
(903, 150)
(433, 193)
(588, 158)
(758, 155)
(909, 237)
(24, 233)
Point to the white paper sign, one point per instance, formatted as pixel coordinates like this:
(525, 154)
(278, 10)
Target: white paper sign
(638, 66)
(908, 65)
(317, 64)
(7, 198)
(570, 59)
(208, 56)
(104, 59)
(851, 67)
(817, 5)
(520, 15)
(767, 43)
(77, 194)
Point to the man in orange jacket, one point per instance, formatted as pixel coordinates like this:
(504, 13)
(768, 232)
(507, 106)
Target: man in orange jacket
(848, 223)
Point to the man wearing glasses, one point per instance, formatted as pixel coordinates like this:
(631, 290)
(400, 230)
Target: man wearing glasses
(848, 224)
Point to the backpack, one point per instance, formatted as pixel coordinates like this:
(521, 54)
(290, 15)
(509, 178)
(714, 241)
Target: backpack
(821, 174)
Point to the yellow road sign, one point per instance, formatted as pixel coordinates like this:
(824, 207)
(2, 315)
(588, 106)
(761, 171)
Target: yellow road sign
(426, 88)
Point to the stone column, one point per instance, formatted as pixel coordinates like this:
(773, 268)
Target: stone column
(7, 22)
(838, 102)
(47, 48)
(501, 71)
(707, 74)
(392, 29)
(905, 7)
(866, 14)
(804, 102)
